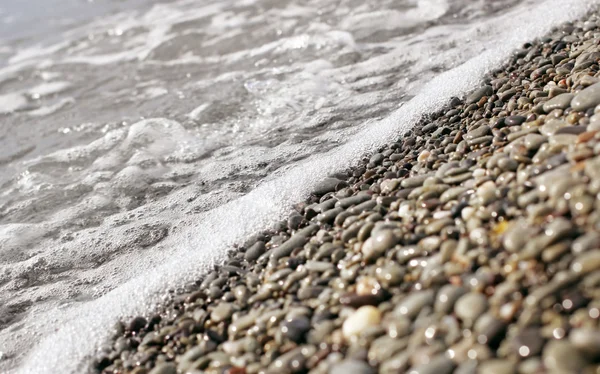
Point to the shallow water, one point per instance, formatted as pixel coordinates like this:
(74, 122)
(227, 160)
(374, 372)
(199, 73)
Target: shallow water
(136, 146)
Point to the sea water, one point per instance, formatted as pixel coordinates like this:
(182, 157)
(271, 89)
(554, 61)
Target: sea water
(139, 141)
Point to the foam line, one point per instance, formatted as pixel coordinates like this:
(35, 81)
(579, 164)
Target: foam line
(66, 350)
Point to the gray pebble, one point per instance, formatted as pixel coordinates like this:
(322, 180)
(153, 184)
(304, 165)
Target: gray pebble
(587, 98)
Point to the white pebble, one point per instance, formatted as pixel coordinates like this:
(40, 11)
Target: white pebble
(363, 318)
(467, 213)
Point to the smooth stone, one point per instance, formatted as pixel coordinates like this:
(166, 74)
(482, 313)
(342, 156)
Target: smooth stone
(295, 328)
(255, 251)
(416, 181)
(385, 347)
(222, 312)
(562, 139)
(479, 93)
(587, 98)
(164, 368)
(290, 362)
(451, 194)
(376, 159)
(586, 262)
(553, 125)
(573, 130)
(378, 243)
(326, 185)
(478, 132)
(412, 304)
(562, 356)
(389, 185)
(318, 266)
(558, 102)
(470, 306)
(350, 366)
(296, 241)
(534, 141)
(363, 318)
(586, 242)
(390, 275)
(347, 202)
(514, 120)
(137, 324)
(447, 296)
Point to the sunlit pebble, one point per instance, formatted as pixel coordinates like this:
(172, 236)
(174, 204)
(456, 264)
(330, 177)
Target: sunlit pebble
(430, 332)
(442, 214)
(404, 211)
(467, 213)
(524, 351)
(467, 333)
(423, 156)
(594, 313)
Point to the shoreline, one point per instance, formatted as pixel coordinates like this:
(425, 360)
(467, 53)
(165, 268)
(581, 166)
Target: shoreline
(469, 245)
(455, 248)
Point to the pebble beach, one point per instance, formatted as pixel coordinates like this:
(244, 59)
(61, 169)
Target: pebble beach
(472, 244)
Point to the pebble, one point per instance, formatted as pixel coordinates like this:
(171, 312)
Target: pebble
(447, 296)
(587, 98)
(558, 102)
(222, 312)
(295, 328)
(413, 303)
(363, 318)
(470, 306)
(479, 93)
(378, 243)
(562, 356)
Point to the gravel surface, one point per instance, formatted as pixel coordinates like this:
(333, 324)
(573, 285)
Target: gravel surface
(472, 244)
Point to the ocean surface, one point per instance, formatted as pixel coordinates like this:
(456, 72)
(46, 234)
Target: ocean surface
(139, 140)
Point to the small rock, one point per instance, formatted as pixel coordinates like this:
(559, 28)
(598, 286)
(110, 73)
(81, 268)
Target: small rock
(470, 306)
(562, 356)
(587, 98)
(363, 318)
(479, 93)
